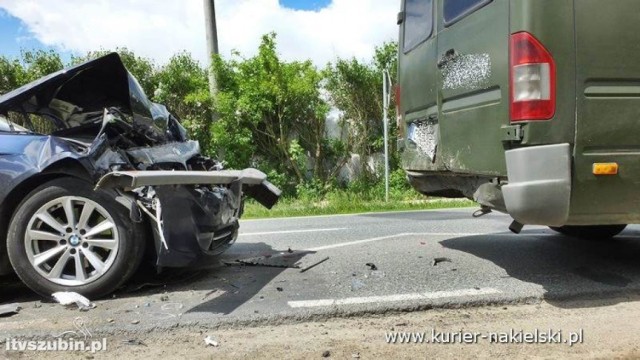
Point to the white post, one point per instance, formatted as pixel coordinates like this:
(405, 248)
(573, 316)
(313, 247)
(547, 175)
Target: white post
(385, 104)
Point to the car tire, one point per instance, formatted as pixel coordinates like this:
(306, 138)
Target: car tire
(590, 232)
(93, 253)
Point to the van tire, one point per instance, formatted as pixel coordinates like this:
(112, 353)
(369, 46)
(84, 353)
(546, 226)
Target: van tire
(590, 232)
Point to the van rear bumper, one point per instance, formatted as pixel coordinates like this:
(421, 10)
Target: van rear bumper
(539, 187)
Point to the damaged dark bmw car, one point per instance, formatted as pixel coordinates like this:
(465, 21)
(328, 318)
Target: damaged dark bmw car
(94, 175)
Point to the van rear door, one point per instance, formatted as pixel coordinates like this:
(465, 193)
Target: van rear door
(473, 84)
(418, 78)
(608, 111)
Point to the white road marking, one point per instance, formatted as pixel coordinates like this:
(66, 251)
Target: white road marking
(290, 231)
(394, 298)
(358, 242)
(364, 241)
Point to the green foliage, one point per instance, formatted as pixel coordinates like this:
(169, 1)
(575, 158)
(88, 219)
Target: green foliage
(355, 88)
(31, 66)
(12, 74)
(278, 108)
(268, 113)
(342, 202)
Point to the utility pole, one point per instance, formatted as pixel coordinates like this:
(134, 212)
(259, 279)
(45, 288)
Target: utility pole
(212, 40)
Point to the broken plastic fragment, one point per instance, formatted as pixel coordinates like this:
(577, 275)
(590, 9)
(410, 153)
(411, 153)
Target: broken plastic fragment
(357, 284)
(437, 261)
(9, 310)
(210, 342)
(68, 298)
(314, 265)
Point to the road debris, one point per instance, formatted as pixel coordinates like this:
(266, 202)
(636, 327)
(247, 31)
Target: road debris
(135, 322)
(355, 356)
(133, 342)
(372, 266)
(211, 342)
(9, 310)
(314, 265)
(171, 306)
(357, 284)
(326, 354)
(69, 298)
(173, 278)
(209, 294)
(285, 260)
(439, 260)
(280, 289)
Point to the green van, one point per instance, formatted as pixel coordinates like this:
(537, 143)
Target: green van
(528, 107)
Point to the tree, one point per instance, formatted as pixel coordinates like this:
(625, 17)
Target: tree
(355, 87)
(30, 66)
(183, 86)
(274, 108)
(12, 74)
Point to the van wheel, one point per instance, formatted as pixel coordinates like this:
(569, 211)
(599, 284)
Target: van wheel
(67, 237)
(590, 232)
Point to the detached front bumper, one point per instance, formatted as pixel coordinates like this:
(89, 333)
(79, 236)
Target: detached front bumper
(195, 213)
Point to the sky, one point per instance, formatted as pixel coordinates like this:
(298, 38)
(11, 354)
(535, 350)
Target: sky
(320, 30)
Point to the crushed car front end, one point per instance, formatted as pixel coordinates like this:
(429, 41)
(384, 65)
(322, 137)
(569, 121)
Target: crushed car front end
(99, 118)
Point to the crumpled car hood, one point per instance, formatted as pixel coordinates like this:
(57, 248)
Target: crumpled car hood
(86, 88)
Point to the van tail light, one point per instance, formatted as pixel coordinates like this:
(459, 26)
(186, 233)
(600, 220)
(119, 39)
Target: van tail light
(533, 79)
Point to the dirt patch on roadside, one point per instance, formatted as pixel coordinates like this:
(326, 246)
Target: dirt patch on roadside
(608, 331)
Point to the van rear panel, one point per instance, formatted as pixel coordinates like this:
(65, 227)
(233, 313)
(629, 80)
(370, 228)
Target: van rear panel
(608, 112)
(552, 23)
(469, 95)
(456, 90)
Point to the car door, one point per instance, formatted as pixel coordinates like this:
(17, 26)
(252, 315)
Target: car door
(473, 79)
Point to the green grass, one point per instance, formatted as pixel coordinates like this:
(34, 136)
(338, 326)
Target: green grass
(346, 204)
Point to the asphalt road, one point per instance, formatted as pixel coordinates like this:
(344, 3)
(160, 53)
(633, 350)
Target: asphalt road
(478, 262)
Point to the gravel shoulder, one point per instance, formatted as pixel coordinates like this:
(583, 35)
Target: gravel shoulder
(609, 331)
